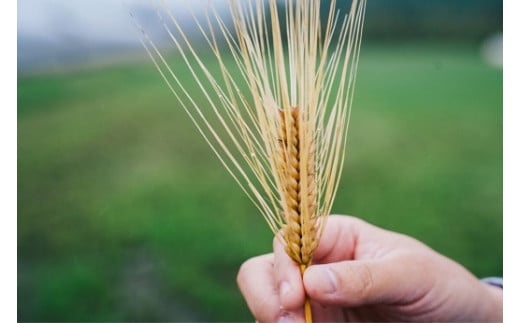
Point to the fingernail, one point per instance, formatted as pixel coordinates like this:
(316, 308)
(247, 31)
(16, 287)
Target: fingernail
(285, 317)
(285, 288)
(331, 280)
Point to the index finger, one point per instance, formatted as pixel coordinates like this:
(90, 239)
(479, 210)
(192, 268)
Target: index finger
(338, 241)
(288, 278)
(349, 238)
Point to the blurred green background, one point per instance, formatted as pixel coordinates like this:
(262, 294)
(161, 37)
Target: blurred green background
(124, 213)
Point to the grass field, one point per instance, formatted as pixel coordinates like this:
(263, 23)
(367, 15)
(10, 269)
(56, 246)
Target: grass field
(124, 214)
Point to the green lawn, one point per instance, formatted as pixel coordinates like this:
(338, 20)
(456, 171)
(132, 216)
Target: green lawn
(124, 214)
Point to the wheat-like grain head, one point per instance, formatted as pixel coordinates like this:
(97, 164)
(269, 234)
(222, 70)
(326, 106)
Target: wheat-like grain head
(276, 101)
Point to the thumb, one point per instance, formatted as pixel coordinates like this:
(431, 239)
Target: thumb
(360, 282)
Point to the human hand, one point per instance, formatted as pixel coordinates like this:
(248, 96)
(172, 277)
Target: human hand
(364, 273)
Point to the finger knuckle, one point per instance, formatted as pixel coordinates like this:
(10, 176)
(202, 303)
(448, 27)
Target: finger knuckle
(363, 285)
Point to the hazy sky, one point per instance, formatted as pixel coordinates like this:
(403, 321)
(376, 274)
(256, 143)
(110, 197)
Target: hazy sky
(94, 19)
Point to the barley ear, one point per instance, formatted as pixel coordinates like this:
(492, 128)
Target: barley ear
(300, 231)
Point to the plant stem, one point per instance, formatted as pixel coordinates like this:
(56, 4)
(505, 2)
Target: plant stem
(307, 306)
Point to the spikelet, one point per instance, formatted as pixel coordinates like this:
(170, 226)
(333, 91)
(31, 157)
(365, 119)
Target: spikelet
(276, 108)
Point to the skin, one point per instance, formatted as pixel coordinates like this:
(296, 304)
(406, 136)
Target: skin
(364, 273)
